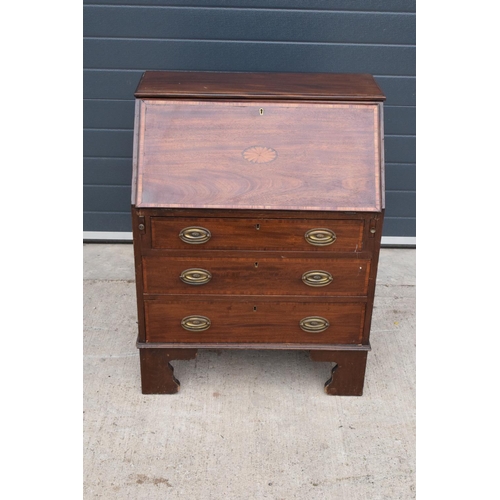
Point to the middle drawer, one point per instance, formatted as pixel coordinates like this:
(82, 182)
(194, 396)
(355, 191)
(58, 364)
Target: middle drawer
(257, 275)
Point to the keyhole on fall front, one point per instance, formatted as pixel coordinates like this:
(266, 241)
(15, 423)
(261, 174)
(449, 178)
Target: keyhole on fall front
(256, 264)
(257, 226)
(261, 111)
(254, 308)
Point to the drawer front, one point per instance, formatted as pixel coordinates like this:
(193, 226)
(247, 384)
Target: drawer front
(247, 321)
(257, 234)
(255, 275)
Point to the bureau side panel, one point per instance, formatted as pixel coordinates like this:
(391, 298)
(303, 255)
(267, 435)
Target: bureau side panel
(139, 240)
(374, 243)
(135, 152)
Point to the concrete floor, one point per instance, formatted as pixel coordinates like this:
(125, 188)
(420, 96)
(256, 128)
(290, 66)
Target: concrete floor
(246, 424)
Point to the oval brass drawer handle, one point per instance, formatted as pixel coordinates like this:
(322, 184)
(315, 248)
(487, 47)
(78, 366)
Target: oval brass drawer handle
(314, 324)
(195, 235)
(320, 237)
(195, 276)
(195, 323)
(317, 278)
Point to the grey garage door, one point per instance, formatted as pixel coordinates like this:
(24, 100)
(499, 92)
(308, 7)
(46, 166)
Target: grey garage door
(123, 38)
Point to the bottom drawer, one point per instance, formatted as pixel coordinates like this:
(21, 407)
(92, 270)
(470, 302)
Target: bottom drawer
(253, 321)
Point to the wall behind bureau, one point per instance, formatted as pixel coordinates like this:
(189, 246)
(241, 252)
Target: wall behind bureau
(123, 38)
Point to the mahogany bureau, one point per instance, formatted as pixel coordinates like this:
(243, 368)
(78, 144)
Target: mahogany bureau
(257, 210)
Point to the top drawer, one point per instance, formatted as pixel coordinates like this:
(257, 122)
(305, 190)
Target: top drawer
(257, 234)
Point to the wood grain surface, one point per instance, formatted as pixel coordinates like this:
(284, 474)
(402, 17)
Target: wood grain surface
(157, 374)
(347, 375)
(260, 275)
(319, 156)
(257, 234)
(248, 189)
(328, 86)
(247, 321)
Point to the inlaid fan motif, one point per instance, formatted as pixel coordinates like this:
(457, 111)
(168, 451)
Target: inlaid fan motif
(259, 154)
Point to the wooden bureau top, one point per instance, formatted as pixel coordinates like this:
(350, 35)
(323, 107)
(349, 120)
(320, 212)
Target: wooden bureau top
(321, 86)
(259, 153)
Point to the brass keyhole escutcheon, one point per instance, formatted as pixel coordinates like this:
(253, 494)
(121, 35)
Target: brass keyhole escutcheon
(261, 111)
